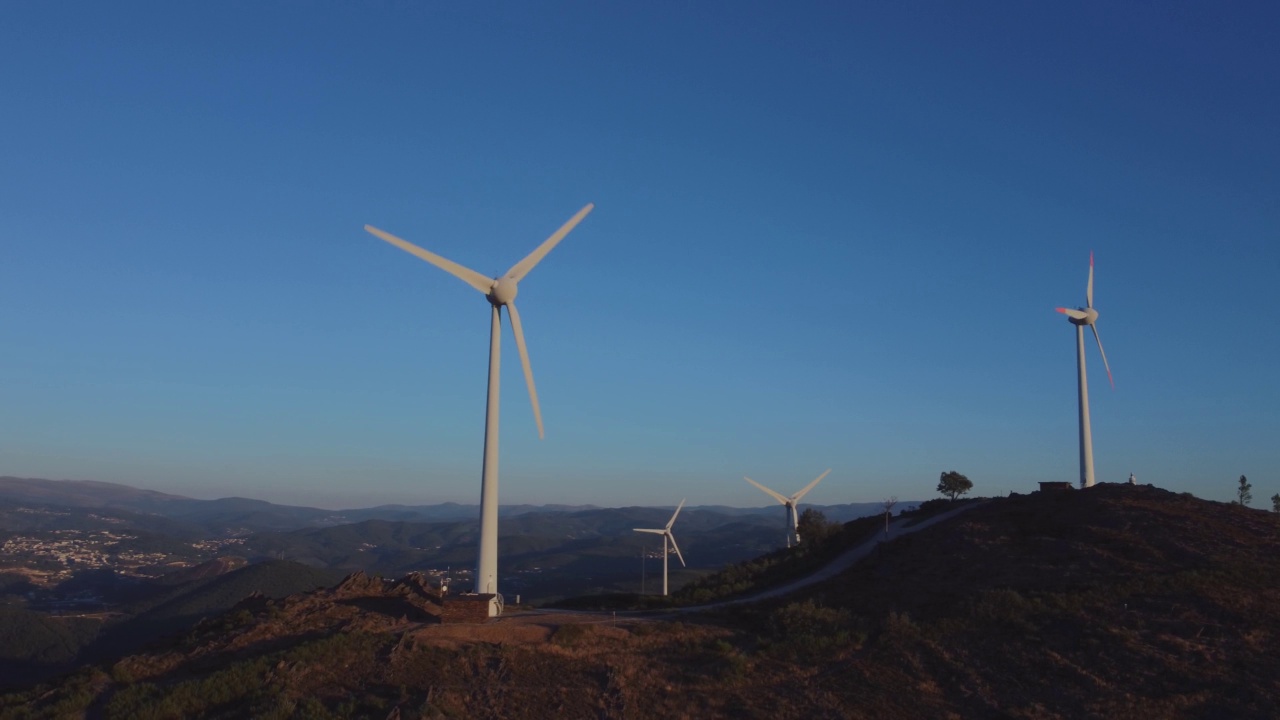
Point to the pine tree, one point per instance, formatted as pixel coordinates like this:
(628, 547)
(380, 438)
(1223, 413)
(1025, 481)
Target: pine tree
(1243, 492)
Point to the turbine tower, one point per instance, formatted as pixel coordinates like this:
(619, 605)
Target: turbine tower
(1080, 317)
(666, 536)
(793, 520)
(500, 292)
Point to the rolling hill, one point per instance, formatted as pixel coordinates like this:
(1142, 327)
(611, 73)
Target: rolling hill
(1116, 602)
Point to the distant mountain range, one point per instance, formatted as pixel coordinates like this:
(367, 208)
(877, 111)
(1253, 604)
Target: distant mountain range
(242, 516)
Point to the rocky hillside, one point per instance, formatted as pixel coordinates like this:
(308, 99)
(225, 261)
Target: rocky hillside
(1116, 602)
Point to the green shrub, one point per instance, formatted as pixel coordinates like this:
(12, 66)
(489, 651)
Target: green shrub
(806, 628)
(569, 635)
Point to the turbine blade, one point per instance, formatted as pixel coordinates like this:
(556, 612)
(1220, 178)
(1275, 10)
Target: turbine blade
(676, 547)
(650, 530)
(522, 268)
(796, 498)
(1077, 314)
(775, 495)
(466, 275)
(1088, 293)
(1104, 356)
(673, 515)
(524, 362)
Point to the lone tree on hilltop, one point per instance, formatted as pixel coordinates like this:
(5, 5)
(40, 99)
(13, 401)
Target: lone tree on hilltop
(1243, 494)
(954, 484)
(1275, 502)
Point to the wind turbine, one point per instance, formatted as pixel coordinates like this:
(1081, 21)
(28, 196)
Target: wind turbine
(1081, 317)
(793, 520)
(667, 536)
(500, 292)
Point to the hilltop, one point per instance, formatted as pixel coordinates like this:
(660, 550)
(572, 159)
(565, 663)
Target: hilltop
(1118, 601)
(1115, 602)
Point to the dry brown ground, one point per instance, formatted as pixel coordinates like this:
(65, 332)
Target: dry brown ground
(1113, 603)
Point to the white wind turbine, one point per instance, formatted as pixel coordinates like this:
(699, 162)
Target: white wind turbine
(1081, 317)
(665, 532)
(793, 520)
(500, 292)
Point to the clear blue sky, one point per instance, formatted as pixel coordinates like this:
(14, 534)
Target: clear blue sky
(826, 235)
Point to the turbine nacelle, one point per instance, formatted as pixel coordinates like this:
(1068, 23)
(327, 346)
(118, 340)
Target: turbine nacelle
(1088, 317)
(500, 292)
(1080, 316)
(503, 291)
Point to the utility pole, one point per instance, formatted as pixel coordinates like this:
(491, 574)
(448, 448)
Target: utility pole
(888, 513)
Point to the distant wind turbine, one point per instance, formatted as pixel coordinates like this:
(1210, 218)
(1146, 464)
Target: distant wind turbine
(667, 536)
(500, 292)
(793, 520)
(1081, 317)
